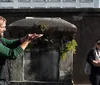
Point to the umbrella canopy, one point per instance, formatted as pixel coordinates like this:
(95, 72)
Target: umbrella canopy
(53, 24)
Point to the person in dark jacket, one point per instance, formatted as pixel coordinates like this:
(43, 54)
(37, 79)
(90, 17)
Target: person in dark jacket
(93, 58)
(11, 49)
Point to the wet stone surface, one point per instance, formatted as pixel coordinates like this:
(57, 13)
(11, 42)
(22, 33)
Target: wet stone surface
(41, 65)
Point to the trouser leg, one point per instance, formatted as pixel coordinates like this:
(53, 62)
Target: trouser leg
(94, 79)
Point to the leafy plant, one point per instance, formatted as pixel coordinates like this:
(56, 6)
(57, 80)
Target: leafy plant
(69, 46)
(43, 27)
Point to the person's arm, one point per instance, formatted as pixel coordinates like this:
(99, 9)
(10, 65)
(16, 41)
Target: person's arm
(25, 44)
(27, 39)
(16, 42)
(96, 63)
(10, 53)
(13, 53)
(91, 59)
(90, 56)
(11, 43)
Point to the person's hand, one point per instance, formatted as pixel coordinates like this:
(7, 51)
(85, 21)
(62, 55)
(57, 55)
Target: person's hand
(27, 39)
(96, 63)
(30, 37)
(34, 36)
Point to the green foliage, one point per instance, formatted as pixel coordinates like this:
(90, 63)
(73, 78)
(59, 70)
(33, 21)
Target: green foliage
(69, 46)
(43, 27)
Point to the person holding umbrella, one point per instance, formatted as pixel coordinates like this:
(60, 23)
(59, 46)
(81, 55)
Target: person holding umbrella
(11, 49)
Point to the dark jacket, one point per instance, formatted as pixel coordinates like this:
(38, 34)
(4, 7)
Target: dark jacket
(90, 57)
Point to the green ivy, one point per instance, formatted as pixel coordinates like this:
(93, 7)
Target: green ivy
(43, 27)
(69, 46)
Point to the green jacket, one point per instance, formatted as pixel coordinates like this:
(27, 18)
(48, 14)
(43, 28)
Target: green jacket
(9, 49)
(12, 48)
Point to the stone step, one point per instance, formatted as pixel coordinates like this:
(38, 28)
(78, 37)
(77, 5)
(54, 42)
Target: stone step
(36, 83)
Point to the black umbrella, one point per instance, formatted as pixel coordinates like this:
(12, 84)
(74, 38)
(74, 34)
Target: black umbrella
(54, 24)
